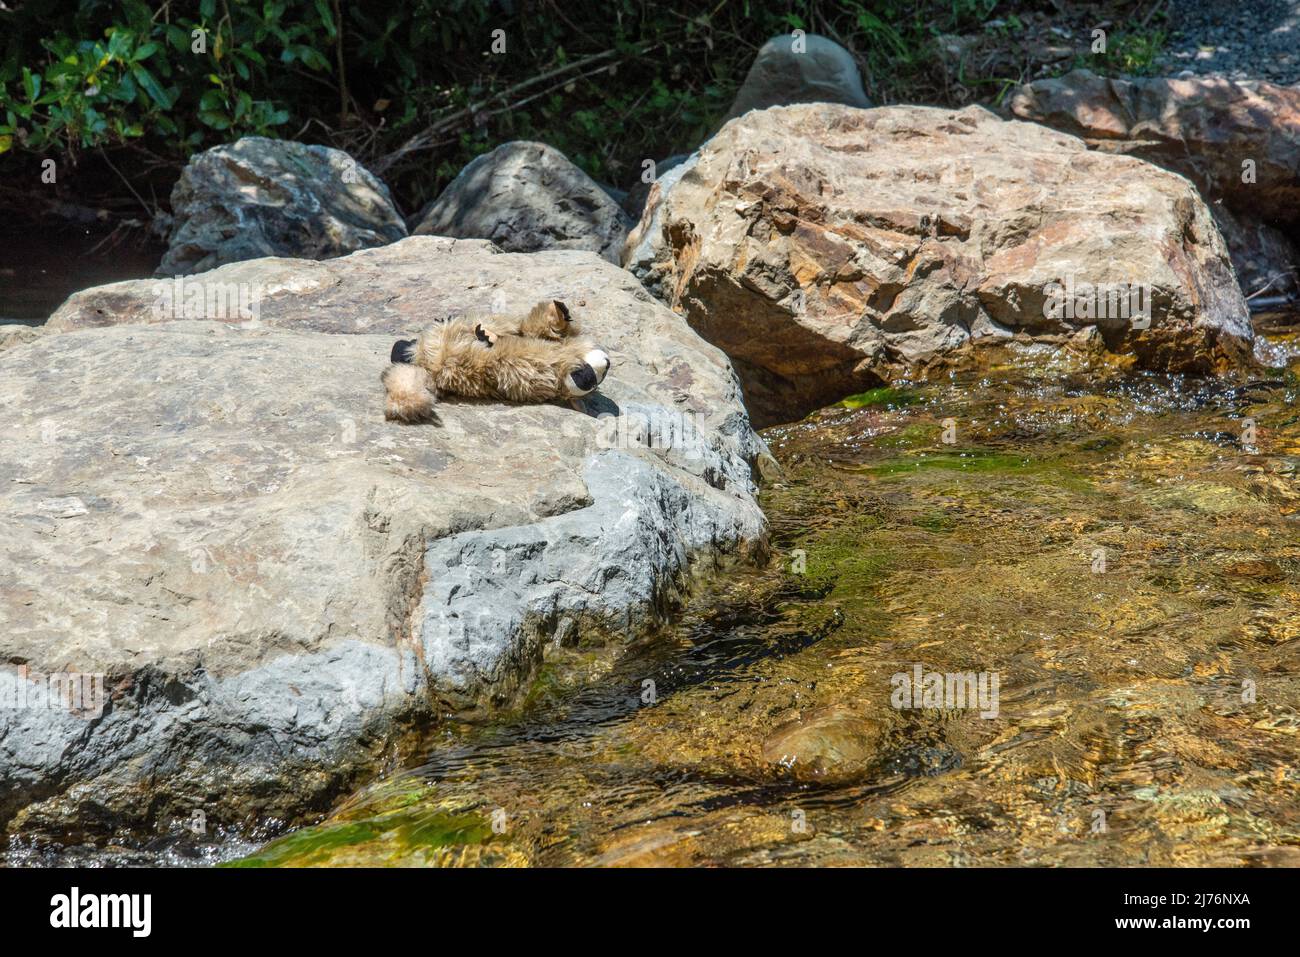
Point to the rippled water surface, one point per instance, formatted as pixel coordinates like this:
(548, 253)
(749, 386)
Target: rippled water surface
(1119, 552)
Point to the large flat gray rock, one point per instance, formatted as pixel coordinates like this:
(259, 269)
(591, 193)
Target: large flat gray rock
(280, 586)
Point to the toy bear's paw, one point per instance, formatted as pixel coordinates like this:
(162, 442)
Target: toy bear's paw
(403, 351)
(482, 335)
(410, 395)
(588, 375)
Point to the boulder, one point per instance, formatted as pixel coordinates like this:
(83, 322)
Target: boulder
(262, 197)
(1202, 127)
(832, 745)
(205, 508)
(804, 68)
(634, 201)
(525, 197)
(613, 192)
(17, 333)
(828, 249)
(1266, 260)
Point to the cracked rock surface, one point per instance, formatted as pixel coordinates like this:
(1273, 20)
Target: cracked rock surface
(828, 249)
(278, 587)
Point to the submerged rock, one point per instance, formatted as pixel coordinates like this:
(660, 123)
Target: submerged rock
(828, 249)
(262, 197)
(832, 744)
(800, 69)
(274, 583)
(524, 197)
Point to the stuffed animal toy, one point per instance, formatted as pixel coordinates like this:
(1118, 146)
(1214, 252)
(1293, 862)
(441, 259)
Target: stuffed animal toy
(538, 358)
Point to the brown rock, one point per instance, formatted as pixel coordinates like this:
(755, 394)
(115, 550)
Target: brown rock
(827, 249)
(1267, 262)
(832, 744)
(1202, 127)
(1261, 570)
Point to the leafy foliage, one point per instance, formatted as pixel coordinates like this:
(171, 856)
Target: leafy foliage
(416, 88)
(183, 78)
(1133, 53)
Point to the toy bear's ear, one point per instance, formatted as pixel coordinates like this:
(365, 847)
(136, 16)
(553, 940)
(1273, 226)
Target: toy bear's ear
(561, 308)
(403, 351)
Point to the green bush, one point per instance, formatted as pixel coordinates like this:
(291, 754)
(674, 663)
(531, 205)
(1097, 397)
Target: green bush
(412, 88)
(186, 80)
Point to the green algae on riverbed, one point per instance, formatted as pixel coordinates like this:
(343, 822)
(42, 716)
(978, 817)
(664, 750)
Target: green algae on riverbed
(886, 396)
(414, 833)
(1117, 550)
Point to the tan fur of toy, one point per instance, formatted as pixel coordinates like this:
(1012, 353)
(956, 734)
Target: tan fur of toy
(410, 396)
(522, 360)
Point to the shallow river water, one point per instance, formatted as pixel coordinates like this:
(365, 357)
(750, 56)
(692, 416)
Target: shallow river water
(1115, 554)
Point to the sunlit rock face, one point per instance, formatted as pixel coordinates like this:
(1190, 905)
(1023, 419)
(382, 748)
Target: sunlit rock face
(1206, 128)
(273, 584)
(1239, 142)
(827, 249)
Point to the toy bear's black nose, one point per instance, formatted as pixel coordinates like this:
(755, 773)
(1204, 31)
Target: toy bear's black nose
(584, 377)
(403, 350)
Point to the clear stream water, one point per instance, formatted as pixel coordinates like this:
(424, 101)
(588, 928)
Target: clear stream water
(1120, 550)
